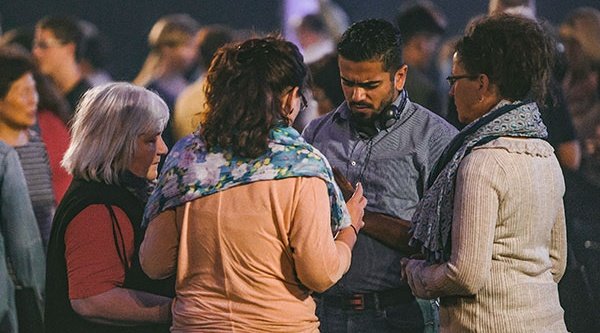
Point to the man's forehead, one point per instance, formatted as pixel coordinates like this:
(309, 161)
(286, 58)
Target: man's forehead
(362, 71)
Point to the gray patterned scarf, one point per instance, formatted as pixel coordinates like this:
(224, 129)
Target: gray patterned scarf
(432, 220)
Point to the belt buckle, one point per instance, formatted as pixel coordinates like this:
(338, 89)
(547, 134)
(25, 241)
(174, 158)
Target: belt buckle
(357, 302)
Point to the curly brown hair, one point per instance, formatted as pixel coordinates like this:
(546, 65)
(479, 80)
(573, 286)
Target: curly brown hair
(244, 84)
(516, 53)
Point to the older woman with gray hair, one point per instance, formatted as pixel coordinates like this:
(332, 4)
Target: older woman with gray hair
(94, 283)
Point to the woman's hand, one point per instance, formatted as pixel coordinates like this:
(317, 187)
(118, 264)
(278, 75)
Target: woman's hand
(411, 272)
(356, 206)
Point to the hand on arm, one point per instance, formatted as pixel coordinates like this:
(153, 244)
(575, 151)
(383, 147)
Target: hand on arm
(391, 231)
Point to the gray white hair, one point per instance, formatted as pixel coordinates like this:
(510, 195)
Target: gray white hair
(106, 125)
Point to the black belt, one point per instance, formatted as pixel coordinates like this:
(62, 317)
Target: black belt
(369, 301)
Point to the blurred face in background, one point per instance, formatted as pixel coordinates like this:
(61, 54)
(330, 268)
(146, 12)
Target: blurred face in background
(18, 109)
(182, 56)
(50, 52)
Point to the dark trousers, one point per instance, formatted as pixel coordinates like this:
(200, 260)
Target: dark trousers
(403, 317)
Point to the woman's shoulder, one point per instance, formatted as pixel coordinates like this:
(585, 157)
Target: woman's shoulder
(515, 145)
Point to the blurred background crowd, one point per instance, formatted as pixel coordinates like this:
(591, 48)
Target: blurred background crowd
(167, 47)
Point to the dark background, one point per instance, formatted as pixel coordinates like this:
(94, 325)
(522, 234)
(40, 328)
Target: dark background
(127, 22)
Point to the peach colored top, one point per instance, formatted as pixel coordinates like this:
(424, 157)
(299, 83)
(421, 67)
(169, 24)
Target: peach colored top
(247, 258)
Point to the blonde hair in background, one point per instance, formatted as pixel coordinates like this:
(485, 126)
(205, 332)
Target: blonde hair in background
(168, 31)
(107, 123)
(583, 26)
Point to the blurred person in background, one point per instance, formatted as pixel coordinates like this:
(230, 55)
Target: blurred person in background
(22, 259)
(95, 55)
(173, 52)
(18, 111)
(326, 88)
(57, 49)
(190, 107)
(580, 33)
(52, 116)
(421, 25)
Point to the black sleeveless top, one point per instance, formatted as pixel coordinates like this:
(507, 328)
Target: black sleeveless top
(59, 315)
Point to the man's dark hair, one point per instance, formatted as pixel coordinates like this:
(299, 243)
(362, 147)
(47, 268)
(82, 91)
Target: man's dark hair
(516, 53)
(245, 83)
(14, 63)
(373, 39)
(66, 29)
(420, 17)
(211, 39)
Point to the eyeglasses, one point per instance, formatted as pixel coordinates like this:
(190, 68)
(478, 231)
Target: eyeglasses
(452, 79)
(303, 103)
(46, 44)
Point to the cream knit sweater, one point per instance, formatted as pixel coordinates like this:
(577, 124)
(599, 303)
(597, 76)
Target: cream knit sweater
(508, 243)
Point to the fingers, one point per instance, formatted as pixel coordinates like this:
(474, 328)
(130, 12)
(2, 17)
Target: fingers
(358, 196)
(403, 263)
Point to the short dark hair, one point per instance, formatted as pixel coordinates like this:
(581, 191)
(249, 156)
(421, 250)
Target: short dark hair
(420, 17)
(66, 29)
(373, 39)
(14, 63)
(211, 39)
(325, 74)
(516, 53)
(244, 84)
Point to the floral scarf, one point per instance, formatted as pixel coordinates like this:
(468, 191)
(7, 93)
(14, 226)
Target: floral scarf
(192, 171)
(432, 220)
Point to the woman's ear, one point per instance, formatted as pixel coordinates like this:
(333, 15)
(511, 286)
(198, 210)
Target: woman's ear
(487, 90)
(287, 100)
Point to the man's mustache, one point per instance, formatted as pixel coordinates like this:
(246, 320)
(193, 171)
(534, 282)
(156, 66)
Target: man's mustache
(361, 105)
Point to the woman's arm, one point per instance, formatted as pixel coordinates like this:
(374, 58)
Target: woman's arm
(476, 203)
(124, 307)
(96, 268)
(558, 246)
(158, 252)
(319, 259)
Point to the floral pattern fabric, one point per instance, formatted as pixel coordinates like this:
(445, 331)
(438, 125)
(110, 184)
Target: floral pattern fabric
(192, 171)
(432, 220)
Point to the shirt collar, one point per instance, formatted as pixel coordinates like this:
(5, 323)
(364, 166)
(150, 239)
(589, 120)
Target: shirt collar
(343, 111)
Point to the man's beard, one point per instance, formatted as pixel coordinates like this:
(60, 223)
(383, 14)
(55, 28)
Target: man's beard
(362, 119)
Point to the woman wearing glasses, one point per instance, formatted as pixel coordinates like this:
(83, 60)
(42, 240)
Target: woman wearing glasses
(492, 222)
(244, 210)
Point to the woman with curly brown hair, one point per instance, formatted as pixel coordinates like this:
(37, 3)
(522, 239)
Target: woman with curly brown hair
(245, 209)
